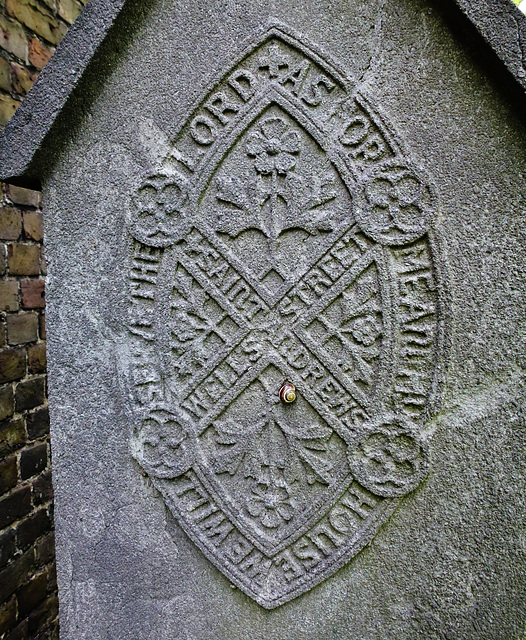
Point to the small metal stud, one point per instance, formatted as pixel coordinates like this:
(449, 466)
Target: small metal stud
(287, 393)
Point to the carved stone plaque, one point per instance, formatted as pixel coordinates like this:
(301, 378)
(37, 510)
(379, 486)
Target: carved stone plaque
(285, 236)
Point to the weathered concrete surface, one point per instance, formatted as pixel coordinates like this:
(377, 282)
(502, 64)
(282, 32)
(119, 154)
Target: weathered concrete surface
(449, 562)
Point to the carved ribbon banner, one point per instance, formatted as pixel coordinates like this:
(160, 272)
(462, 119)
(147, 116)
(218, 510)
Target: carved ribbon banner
(285, 236)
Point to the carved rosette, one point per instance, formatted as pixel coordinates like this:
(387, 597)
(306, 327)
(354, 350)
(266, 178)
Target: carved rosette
(286, 236)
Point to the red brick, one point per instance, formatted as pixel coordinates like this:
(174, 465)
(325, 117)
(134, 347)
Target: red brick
(12, 435)
(9, 295)
(7, 402)
(30, 394)
(37, 358)
(39, 54)
(15, 506)
(8, 474)
(7, 615)
(12, 365)
(22, 78)
(33, 294)
(23, 259)
(33, 460)
(33, 225)
(26, 197)
(22, 328)
(10, 223)
(42, 326)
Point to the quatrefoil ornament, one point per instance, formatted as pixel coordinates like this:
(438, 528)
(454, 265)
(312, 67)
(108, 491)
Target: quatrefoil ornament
(157, 210)
(395, 205)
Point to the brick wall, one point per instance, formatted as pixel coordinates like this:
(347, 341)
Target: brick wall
(28, 599)
(29, 32)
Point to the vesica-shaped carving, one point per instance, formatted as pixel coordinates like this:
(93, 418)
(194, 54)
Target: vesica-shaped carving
(250, 274)
(395, 205)
(388, 458)
(157, 210)
(163, 447)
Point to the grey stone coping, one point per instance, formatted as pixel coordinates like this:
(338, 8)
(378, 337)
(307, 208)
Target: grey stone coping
(503, 27)
(24, 133)
(500, 23)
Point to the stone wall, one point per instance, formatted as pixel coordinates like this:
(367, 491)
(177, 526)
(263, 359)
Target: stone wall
(29, 33)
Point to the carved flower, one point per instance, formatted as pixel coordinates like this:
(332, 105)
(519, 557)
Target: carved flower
(271, 504)
(365, 329)
(273, 146)
(389, 460)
